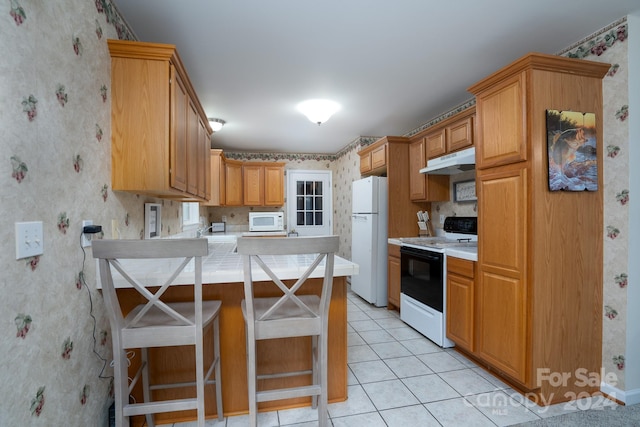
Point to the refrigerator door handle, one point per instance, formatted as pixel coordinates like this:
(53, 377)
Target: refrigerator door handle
(358, 216)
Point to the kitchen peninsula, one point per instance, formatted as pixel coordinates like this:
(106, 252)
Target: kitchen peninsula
(222, 276)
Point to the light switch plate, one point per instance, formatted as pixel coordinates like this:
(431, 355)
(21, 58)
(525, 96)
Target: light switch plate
(29, 239)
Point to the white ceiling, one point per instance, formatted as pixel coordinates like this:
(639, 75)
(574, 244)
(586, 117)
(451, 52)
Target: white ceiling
(392, 64)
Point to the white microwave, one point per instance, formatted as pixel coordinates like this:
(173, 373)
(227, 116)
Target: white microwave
(266, 221)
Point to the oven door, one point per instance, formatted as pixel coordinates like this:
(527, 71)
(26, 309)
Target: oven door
(422, 276)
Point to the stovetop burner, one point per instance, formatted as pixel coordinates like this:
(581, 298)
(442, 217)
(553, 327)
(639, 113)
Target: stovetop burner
(438, 242)
(460, 232)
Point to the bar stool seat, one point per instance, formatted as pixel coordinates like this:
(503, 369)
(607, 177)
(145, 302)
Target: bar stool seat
(159, 324)
(291, 315)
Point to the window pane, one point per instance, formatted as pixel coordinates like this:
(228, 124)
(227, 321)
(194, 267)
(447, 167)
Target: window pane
(300, 203)
(309, 218)
(318, 218)
(319, 188)
(300, 218)
(300, 187)
(308, 205)
(308, 187)
(318, 203)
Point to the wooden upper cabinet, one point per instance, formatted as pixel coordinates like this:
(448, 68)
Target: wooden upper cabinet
(253, 176)
(233, 183)
(274, 185)
(502, 124)
(379, 157)
(217, 180)
(204, 162)
(436, 143)
(156, 143)
(424, 187)
(374, 158)
(452, 134)
(417, 160)
(365, 163)
(263, 184)
(460, 134)
(193, 154)
(178, 137)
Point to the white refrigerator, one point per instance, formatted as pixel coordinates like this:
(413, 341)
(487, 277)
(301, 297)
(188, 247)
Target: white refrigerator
(369, 238)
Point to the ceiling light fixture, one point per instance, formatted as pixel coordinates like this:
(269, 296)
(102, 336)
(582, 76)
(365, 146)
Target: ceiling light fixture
(216, 124)
(318, 110)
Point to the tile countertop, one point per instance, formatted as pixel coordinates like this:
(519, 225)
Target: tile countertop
(224, 265)
(468, 253)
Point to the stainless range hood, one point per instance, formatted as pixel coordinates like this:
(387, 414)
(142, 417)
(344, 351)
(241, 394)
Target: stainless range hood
(451, 164)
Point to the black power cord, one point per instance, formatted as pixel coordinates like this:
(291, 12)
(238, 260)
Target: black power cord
(92, 229)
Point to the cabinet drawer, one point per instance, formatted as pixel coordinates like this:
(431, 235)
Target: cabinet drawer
(460, 266)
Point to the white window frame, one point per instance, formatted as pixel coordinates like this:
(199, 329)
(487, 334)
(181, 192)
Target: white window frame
(190, 215)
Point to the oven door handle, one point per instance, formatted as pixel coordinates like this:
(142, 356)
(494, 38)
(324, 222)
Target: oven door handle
(420, 253)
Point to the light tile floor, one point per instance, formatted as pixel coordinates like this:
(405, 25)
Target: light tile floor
(397, 377)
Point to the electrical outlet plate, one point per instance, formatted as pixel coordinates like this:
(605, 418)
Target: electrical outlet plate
(441, 219)
(29, 239)
(86, 238)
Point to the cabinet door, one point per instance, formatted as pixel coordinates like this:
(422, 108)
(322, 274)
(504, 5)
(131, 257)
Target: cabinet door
(178, 139)
(393, 277)
(501, 287)
(460, 302)
(379, 157)
(436, 144)
(460, 134)
(233, 183)
(417, 180)
(365, 163)
(216, 180)
(204, 162)
(193, 144)
(502, 124)
(253, 183)
(273, 185)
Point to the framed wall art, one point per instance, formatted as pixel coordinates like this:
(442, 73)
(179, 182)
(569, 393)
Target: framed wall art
(464, 191)
(572, 151)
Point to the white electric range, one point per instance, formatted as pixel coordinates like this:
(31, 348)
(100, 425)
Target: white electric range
(424, 276)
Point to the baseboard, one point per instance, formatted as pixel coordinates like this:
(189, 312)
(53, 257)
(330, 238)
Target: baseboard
(628, 397)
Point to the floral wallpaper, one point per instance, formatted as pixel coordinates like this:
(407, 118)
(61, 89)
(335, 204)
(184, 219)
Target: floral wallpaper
(55, 162)
(610, 45)
(55, 114)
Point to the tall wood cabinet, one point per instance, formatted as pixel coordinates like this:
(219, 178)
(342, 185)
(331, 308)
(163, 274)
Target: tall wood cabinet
(402, 220)
(159, 131)
(539, 281)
